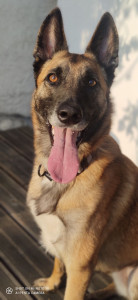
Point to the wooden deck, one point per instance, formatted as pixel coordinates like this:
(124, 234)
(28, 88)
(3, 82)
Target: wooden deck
(22, 258)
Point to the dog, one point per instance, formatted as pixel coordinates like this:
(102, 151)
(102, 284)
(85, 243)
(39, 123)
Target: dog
(83, 191)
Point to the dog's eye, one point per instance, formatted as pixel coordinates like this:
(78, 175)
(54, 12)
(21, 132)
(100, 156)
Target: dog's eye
(53, 78)
(92, 82)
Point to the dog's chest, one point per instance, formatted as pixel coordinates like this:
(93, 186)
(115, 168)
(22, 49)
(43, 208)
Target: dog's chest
(43, 209)
(52, 233)
(58, 227)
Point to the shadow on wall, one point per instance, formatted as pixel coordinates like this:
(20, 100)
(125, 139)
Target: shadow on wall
(129, 122)
(130, 119)
(123, 13)
(126, 16)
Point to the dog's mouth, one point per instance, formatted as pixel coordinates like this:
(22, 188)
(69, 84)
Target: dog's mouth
(63, 162)
(80, 134)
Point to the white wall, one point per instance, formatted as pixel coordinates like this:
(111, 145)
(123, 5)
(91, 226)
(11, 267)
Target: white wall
(19, 24)
(80, 20)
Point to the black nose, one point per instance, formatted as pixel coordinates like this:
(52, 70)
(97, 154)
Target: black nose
(69, 114)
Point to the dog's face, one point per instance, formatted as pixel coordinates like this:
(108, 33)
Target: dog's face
(72, 90)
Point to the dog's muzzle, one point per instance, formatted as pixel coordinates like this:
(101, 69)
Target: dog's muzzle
(69, 113)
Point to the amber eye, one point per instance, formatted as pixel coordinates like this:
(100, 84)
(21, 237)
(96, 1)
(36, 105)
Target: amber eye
(53, 78)
(92, 82)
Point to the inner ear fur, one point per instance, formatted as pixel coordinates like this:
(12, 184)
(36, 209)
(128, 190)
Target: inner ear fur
(105, 44)
(51, 39)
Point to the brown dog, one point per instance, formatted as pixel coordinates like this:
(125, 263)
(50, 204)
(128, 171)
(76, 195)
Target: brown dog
(83, 191)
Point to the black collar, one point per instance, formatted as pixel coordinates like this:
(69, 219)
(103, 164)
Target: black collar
(84, 164)
(45, 173)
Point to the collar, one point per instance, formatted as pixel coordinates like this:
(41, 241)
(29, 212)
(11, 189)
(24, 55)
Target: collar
(45, 173)
(84, 165)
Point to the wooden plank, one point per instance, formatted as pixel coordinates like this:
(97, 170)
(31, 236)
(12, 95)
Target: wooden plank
(22, 267)
(99, 281)
(12, 187)
(21, 214)
(14, 164)
(8, 280)
(28, 131)
(25, 258)
(2, 297)
(13, 200)
(22, 143)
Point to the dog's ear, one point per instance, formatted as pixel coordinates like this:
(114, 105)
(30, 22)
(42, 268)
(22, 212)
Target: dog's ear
(105, 44)
(51, 39)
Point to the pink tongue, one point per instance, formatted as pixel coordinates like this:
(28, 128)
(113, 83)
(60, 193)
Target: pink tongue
(63, 163)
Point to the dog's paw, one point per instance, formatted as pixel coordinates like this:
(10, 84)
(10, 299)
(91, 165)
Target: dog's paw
(48, 284)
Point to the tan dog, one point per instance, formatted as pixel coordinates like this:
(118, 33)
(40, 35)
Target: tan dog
(83, 192)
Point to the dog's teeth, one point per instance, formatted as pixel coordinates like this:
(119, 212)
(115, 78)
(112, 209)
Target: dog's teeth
(79, 133)
(52, 130)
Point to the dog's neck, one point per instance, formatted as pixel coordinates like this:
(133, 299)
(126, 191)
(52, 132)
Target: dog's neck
(83, 165)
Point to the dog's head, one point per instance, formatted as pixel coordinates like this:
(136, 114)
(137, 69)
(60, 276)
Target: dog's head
(72, 90)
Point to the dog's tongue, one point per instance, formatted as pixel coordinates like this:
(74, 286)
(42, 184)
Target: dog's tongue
(63, 163)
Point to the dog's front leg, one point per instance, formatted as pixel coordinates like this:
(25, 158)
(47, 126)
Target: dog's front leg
(77, 282)
(54, 280)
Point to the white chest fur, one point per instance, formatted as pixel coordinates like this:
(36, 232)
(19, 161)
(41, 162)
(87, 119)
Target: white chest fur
(53, 233)
(52, 227)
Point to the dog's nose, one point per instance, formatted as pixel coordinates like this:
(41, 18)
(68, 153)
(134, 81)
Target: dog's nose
(69, 114)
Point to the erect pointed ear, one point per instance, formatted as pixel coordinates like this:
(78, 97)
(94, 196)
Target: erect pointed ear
(50, 39)
(105, 44)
